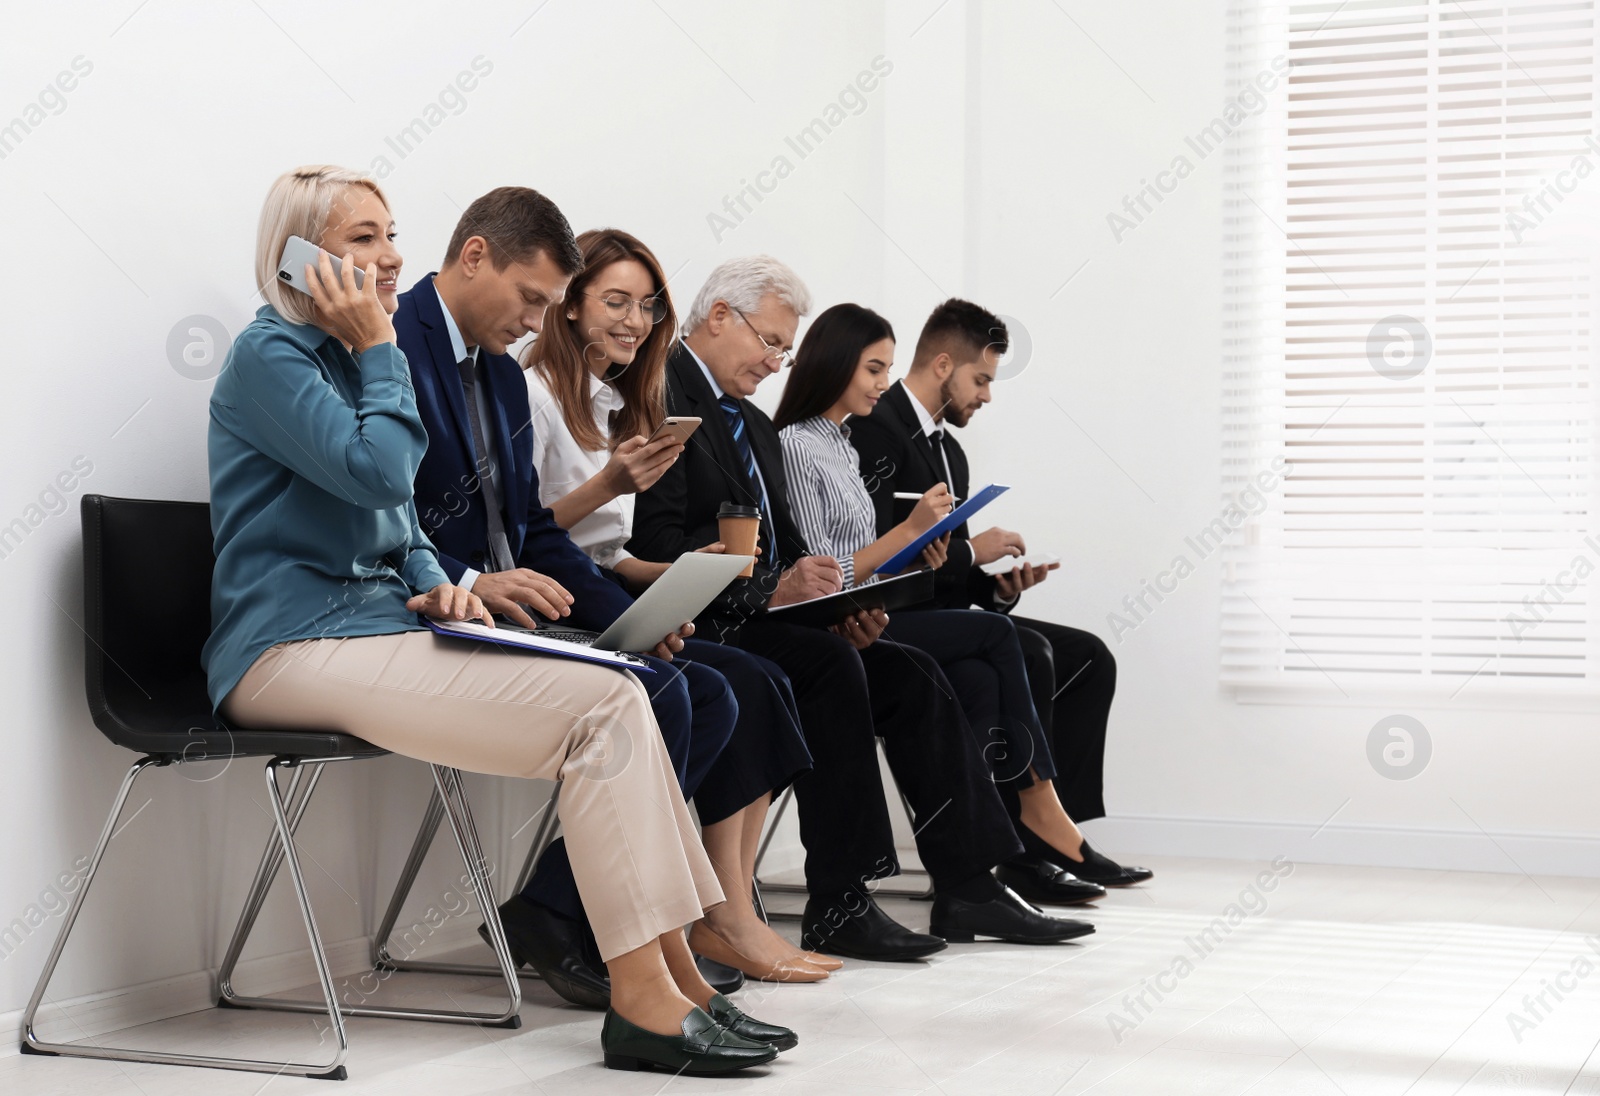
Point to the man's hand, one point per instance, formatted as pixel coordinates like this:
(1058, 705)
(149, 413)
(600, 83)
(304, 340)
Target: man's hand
(862, 629)
(991, 544)
(937, 551)
(447, 602)
(1010, 584)
(811, 577)
(673, 643)
(506, 592)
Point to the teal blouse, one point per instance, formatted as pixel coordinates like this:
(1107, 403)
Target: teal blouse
(312, 455)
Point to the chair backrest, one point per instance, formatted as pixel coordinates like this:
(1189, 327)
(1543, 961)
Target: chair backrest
(147, 607)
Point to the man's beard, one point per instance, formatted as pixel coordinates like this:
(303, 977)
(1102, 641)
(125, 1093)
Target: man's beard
(954, 414)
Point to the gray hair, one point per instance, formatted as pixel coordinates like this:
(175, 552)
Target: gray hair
(298, 205)
(743, 282)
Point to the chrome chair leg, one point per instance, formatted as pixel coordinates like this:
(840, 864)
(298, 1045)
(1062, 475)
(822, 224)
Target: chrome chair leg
(356, 996)
(384, 945)
(431, 816)
(266, 872)
(32, 1044)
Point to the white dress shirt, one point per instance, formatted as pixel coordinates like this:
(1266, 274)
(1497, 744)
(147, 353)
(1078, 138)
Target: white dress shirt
(718, 393)
(563, 466)
(458, 347)
(929, 427)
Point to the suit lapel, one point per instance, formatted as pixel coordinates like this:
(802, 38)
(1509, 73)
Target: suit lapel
(447, 373)
(899, 401)
(714, 434)
(502, 374)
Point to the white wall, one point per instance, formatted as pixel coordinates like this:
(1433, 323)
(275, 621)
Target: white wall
(983, 165)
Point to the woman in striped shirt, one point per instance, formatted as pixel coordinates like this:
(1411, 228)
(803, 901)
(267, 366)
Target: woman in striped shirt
(842, 369)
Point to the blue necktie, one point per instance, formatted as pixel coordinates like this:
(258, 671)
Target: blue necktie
(730, 408)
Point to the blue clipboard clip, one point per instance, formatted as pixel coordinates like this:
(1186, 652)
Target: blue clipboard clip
(911, 552)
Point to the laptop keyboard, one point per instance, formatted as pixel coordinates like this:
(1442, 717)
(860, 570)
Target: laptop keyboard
(566, 635)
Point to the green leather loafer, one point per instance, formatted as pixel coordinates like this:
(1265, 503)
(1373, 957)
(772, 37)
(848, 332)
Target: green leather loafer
(728, 1015)
(703, 1049)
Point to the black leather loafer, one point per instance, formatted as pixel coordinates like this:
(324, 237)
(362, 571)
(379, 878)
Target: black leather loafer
(727, 1014)
(703, 1049)
(1108, 873)
(854, 927)
(719, 976)
(1044, 883)
(553, 946)
(1006, 918)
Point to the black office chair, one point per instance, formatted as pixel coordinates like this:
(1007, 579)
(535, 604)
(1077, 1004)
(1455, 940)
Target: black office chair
(147, 589)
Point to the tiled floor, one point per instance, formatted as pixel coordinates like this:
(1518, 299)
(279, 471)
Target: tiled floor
(1345, 981)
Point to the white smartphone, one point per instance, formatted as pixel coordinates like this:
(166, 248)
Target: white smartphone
(297, 254)
(1011, 563)
(679, 426)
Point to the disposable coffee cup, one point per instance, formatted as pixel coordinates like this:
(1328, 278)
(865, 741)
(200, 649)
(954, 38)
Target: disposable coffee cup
(739, 527)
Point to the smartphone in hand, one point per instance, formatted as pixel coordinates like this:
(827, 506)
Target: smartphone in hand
(298, 253)
(678, 426)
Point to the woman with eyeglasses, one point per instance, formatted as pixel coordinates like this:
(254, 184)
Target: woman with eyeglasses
(597, 387)
(841, 369)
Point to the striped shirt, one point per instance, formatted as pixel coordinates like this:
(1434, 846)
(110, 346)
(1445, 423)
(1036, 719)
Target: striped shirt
(829, 502)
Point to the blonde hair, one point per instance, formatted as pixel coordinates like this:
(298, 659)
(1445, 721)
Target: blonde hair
(298, 205)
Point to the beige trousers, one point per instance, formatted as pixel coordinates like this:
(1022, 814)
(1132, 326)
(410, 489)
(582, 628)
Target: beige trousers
(636, 856)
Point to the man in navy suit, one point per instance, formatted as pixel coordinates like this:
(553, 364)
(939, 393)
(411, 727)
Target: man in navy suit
(511, 255)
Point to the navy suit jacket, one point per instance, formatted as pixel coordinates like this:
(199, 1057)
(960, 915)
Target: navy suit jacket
(449, 504)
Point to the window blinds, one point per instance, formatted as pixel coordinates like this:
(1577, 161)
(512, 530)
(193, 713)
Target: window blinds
(1408, 284)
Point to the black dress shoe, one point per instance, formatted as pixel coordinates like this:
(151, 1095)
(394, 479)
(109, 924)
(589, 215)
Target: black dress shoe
(727, 1014)
(1049, 884)
(1108, 873)
(1006, 918)
(704, 1048)
(554, 946)
(719, 976)
(854, 926)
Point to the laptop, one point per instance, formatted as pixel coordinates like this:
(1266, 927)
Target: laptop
(678, 596)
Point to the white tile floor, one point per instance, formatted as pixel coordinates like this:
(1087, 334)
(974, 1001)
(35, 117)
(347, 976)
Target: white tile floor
(1350, 981)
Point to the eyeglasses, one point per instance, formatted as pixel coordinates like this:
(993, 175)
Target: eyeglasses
(619, 306)
(773, 353)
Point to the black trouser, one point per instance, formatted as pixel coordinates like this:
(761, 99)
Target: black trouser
(1073, 677)
(983, 659)
(897, 693)
(767, 750)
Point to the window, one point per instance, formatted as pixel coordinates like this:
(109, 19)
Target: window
(1408, 278)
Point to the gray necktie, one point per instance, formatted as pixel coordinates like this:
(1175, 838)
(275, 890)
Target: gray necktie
(500, 558)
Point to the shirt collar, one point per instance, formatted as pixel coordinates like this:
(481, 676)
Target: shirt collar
(307, 335)
(603, 398)
(923, 415)
(716, 389)
(458, 345)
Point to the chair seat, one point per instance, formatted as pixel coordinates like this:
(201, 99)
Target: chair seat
(176, 724)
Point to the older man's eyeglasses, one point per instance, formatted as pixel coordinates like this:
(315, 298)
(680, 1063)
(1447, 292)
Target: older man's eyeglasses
(773, 353)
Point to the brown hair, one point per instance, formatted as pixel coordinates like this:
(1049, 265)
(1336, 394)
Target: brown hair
(518, 223)
(557, 355)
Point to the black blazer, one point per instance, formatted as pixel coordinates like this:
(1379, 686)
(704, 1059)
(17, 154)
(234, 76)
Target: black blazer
(897, 456)
(679, 513)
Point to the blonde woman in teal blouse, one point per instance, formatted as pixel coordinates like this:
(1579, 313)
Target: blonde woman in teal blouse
(321, 574)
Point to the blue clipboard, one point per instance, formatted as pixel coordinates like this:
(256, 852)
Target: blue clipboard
(530, 641)
(911, 552)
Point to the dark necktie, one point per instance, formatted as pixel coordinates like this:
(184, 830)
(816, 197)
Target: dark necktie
(940, 461)
(500, 557)
(741, 440)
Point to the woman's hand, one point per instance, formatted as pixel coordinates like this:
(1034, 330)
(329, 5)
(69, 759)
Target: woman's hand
(447, 602)
(353, 316)
(937, 551)
(934, 504)
(637, 463)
